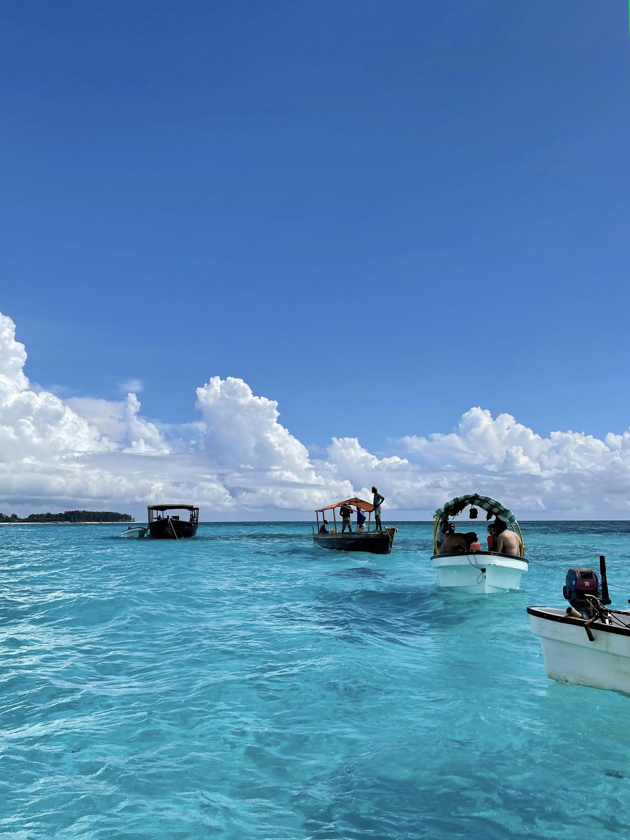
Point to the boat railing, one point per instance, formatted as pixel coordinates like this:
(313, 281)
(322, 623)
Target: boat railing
(336, 532)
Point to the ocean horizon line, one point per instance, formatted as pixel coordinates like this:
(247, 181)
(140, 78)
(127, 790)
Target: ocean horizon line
(297, 521)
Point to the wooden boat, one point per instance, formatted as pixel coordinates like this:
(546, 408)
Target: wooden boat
(478, 572)
(135, 533)
(587, 643)
(166, 526)
(372, 540)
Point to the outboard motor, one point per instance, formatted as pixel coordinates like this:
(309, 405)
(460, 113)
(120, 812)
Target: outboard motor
(581, 586)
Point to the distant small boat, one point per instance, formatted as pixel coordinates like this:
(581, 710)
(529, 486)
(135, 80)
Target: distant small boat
(477, 571)
(166, 526)
(134, 533)
(371, 540)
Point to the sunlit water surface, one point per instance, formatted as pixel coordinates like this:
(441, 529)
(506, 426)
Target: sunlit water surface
(246, 684)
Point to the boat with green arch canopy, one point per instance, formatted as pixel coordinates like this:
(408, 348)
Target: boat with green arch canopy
(459, 559)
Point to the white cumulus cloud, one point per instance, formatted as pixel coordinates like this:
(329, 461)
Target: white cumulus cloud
(235, 456)
(120, 424)
(243, 430)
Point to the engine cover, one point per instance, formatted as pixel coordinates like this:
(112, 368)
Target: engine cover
(581, 583)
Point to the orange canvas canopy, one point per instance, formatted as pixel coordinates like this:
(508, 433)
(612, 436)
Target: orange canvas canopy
(355, 502)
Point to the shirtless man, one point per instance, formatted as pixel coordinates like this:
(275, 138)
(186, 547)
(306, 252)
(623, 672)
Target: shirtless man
(506, 542)
(453, 543)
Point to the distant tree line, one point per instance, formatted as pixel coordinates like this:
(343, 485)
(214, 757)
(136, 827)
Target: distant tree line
(71, 516)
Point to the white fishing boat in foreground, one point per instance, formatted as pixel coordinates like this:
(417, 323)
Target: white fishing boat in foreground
(474, 570)
(586, 643)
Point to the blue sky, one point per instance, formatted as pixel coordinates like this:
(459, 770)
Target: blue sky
(379, 214)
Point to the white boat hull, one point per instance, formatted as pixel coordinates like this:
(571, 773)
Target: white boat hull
(134, 533)
(572, 658)
(478, 572)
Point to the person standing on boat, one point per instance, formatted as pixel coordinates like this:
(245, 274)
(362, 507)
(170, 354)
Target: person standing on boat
(377, 502)
(346, 513)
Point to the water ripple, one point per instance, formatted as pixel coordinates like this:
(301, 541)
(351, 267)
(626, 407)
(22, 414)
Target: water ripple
(247, 684)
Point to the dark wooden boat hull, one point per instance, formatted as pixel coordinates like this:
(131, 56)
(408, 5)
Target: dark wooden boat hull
(375, 542)
(171, 529)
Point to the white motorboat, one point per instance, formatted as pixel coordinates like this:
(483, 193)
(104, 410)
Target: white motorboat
(587, 643)
(135, 533)
(474, 570)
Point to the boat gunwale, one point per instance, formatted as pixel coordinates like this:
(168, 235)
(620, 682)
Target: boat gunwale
(560, 617)
(353, 534)
(476, 554)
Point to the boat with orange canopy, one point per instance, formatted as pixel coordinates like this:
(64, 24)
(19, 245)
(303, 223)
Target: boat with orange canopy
(369, 539)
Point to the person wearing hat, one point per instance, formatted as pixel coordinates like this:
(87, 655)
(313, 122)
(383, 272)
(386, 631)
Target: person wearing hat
(322, 528)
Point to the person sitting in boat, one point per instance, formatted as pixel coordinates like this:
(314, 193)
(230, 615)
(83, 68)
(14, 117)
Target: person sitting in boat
(506, 542)
(454, 543)
(360, 521)
(444, 530)
(490, 536)
(473, 541)
(322, 528)
(346, 513)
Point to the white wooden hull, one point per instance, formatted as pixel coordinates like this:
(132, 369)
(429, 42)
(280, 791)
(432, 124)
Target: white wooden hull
(134, 533)
(572, 658)
(479, 572)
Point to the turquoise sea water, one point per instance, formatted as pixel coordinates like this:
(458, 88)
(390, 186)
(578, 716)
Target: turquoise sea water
(246, 684)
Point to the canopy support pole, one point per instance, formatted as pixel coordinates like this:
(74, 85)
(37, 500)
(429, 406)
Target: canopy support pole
(520, 533)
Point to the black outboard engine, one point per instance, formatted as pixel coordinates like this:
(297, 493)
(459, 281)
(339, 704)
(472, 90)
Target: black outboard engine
(582, 586)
